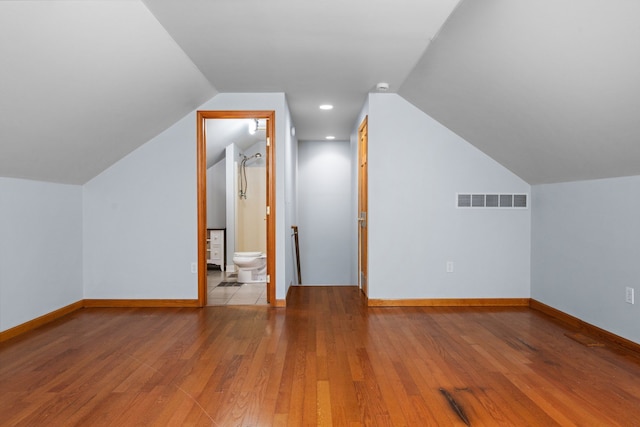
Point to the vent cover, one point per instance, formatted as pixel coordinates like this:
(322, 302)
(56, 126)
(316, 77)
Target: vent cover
(472, 200)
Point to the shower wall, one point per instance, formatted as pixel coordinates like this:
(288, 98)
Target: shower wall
(251, 224)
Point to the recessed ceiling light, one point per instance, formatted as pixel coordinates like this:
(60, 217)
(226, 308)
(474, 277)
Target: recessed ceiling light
(326, 107)
(329, 137)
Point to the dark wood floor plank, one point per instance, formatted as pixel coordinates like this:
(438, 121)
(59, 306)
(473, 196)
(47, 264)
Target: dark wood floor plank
(325, 359)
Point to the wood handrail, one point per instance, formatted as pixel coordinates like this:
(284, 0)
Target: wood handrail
(294, 230)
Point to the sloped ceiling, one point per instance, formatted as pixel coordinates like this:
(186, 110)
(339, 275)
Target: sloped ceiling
(329, 51)
(547, 88)
(89, 81)
(84, 83)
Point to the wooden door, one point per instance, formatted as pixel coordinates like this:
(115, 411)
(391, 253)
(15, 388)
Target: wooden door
(362, 207)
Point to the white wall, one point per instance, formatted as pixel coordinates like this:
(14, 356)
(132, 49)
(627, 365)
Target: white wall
(585, 251)
(40, 249)
(231, 174)
(216, 195)
(416, 166)
(324, 217)
(140, 231)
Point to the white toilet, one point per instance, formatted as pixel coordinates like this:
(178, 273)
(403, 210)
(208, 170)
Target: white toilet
(252, 266)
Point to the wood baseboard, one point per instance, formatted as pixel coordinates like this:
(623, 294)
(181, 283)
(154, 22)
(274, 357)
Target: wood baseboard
(156, 303)
(584, 327)
(364, 297)
(438, 302)
(39, 321)
(450, 302)
(281, 303)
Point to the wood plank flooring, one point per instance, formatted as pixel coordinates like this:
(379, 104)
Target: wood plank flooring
(324, 360)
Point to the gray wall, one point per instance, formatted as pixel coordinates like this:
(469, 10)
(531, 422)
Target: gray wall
(131, 231)
(40, 249)
(416, 166)
(140, 234)
(324, 212)
(290, 198)
(585, 251)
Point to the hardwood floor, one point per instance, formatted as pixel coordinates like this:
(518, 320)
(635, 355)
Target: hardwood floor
(324, 360)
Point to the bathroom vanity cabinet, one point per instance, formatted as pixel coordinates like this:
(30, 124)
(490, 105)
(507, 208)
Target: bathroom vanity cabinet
(215, 247)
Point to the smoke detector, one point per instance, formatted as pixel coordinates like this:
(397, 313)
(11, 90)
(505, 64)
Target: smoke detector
(382, 87)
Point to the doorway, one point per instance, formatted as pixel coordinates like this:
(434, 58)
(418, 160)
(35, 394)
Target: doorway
(363, 175)
(268, 118)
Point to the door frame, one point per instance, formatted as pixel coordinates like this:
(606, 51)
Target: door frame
(201, 172)
(363, 206)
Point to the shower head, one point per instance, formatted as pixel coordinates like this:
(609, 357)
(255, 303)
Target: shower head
(255, 156)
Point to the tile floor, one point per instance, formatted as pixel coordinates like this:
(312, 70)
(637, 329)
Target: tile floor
(245, 294)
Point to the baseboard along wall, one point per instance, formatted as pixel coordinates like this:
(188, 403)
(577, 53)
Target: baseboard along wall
(560, 316)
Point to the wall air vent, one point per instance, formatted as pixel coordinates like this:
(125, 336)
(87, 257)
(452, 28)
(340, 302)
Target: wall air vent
(519, 200)
(464, 200)
(473, 200)
(477, 200)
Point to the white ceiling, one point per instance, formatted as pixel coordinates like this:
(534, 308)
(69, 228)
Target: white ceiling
(84, 83)
(549, 88)
(329, 51)
(222, 132)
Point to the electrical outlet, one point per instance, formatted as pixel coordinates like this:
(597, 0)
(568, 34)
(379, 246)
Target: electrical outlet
(449, 266)
(194, 267)
(629, 295)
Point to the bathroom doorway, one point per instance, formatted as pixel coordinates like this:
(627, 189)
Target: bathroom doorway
(244, 159)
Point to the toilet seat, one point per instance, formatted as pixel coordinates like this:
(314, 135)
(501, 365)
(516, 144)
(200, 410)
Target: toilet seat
(247, 254)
